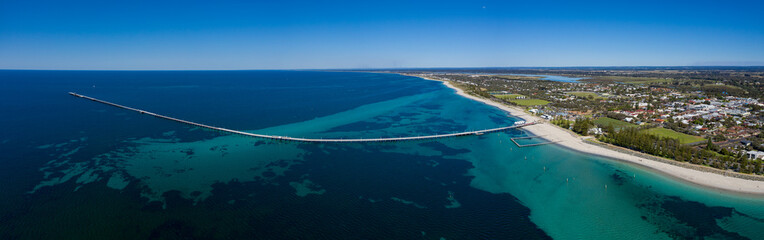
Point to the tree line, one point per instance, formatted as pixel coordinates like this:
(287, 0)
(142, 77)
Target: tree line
(710, 155)
(635, 139)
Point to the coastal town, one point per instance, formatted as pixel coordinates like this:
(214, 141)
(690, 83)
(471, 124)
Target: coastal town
(713, 121)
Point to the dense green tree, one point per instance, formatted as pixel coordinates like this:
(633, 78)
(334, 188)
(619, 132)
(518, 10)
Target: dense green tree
(582, 126)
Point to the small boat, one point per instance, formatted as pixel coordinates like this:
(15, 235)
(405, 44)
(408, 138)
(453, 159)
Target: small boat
(478, 133)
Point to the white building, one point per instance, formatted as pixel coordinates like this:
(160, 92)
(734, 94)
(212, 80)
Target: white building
(755, 154)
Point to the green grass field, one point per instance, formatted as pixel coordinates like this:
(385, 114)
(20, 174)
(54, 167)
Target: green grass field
(683, 138)
(529, 102)
(508, 96)
(617, 124)
(585, 95)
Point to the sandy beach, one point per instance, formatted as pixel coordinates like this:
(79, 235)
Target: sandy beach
(567, 139)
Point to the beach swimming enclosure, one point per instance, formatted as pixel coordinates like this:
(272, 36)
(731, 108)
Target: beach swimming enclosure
(514, 140)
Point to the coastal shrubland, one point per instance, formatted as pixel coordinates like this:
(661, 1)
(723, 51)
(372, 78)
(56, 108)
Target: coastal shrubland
(669, 146)
(580, 125)
(562, 122)
(663, 143)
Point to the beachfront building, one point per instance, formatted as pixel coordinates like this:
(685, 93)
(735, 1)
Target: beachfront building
(755, 154)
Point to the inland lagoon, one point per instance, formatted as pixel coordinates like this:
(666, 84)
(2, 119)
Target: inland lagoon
(74, 169)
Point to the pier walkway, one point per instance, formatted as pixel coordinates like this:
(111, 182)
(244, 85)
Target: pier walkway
(313, 140)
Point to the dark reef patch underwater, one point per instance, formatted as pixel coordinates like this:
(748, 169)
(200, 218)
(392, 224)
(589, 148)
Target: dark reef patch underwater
(72, 169)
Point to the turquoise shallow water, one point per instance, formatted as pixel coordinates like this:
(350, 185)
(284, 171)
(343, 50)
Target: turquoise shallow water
(99, 172)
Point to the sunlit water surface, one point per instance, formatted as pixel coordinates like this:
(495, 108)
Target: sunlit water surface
(77, 169)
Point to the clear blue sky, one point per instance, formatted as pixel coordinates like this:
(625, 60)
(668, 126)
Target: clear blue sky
(379, 34)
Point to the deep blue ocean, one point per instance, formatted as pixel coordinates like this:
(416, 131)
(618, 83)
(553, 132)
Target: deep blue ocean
(75, 169)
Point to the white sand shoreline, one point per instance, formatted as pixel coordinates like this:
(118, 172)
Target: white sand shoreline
(568, 140)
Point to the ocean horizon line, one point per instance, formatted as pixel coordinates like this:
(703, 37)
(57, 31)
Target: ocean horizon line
(416, 68)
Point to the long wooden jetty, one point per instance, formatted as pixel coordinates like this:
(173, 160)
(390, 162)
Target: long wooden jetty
(295, 139)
